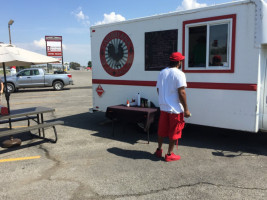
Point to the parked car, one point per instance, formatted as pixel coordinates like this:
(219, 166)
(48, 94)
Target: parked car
(35, 77)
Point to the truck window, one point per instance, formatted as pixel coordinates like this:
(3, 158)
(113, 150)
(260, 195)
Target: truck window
(25, 73)
(36, 72)
(209, 44)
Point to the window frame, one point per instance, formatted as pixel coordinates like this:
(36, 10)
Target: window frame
(225, 19)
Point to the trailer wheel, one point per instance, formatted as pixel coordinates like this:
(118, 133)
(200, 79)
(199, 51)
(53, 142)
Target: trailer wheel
(10, 88)
(58, 85)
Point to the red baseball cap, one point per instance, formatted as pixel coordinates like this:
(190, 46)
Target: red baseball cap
(176, 56)
(217, 57)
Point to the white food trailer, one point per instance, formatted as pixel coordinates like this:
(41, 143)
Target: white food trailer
(226, 59)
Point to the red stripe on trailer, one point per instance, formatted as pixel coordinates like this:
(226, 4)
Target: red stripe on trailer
(193, 85)
(223, 86)
(124, 82)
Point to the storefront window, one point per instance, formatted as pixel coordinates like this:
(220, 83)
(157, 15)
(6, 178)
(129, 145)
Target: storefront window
(209, 44)
(197, 46)
(158, 47)
(218, 45)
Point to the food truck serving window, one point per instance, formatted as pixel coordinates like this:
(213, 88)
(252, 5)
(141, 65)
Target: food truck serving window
(158, 47)
(209, 44)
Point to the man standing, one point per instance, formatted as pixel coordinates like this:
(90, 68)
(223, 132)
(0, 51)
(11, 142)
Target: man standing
(173, 106)
(1, 86)
(1, 91)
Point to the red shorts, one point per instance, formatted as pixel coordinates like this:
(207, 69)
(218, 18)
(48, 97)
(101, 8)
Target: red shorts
(171, 125)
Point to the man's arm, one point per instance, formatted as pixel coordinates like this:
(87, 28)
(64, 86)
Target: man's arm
(182, 98)
(2, 87)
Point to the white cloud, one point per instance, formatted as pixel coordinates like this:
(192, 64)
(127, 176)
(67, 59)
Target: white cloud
(190, 4)
(80, 53)
(81, 17)
(112, 17)
(40, 43)
(32, 47)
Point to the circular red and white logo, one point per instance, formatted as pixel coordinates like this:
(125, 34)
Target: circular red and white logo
(117, 53)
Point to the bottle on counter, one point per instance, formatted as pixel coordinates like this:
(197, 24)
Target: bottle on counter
(138, 99)
(142, 103)
(148, 104)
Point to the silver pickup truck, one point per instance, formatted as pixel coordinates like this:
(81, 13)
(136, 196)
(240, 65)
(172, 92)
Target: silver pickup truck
(35, 77)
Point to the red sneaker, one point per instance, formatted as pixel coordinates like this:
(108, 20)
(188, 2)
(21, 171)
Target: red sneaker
(172, 157)
(158, 153)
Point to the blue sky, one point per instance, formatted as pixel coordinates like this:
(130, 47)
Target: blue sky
(71, 19)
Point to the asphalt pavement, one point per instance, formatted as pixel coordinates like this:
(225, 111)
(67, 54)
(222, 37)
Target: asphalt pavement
(87, 162)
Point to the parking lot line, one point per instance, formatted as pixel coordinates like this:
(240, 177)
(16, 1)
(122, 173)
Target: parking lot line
(18, 159)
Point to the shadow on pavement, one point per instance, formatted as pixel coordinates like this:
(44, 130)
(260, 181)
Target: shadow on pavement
(26, 136)
(133, 154)
(25, 90)
(227, 143)
(129, 133)
(82, 87)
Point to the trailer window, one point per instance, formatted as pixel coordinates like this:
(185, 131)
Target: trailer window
(218, 45)
(158, 47)
(197, 46)
(209, 44)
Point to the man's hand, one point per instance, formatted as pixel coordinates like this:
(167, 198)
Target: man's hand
(187, 114)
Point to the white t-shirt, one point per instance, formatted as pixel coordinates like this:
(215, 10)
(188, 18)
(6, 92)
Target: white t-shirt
(13, 71)
(169, 80)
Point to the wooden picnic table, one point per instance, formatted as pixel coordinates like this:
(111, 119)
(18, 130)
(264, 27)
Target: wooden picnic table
(33, 113)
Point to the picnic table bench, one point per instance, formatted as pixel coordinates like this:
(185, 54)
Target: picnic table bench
(34, 113)
(28, 118)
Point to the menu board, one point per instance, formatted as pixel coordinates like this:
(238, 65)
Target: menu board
(158, 47)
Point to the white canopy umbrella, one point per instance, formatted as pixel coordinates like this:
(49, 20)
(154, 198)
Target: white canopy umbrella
(11, 55)
(14, 56)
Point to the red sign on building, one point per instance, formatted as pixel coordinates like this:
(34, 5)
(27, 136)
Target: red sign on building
(54, 46)
(99, 90)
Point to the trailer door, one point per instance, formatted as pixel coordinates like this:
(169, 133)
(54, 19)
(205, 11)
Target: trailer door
(264, 63)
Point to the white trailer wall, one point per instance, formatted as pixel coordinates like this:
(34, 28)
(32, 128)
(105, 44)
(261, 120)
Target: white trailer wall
(225, 108)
